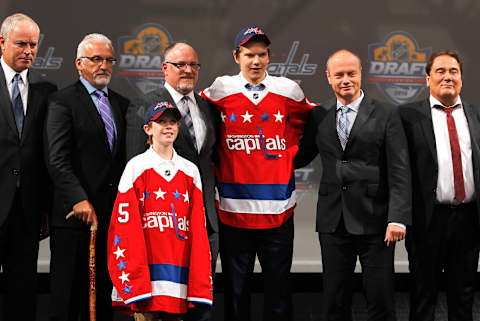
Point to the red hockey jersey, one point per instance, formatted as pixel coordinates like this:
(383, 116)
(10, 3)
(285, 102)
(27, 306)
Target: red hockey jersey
(158, 251)
(259, 138)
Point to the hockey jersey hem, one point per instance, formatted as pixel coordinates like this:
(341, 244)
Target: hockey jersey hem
(138, 298)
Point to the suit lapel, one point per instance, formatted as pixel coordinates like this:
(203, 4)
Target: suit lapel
(474, 129)
(32, 102)
(91, 111)
(364, 111)
(203, 107)
(6, 104)
(427, 127)
(118, 119)
(328, 127)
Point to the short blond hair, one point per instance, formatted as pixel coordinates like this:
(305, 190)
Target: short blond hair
(11, 21)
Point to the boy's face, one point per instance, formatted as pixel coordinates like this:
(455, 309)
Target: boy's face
(253, 61)
(164, 130)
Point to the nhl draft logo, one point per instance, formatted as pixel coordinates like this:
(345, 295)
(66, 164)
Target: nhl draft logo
(141, 57)
(397, 66)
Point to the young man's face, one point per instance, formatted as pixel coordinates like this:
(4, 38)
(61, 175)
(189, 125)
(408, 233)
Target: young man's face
(253, 61)
(164, 130)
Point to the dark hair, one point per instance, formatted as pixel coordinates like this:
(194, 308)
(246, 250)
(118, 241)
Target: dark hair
(443, 52)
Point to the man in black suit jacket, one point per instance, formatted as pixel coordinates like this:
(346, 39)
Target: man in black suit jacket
(364, 197)
(86, 153)
(181, 74)
(443, 133)
(24, 179)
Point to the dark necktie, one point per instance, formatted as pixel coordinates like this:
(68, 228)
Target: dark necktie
(456, 153)
(187, 118)
(107, 117)
(17, 104)
(342, 126)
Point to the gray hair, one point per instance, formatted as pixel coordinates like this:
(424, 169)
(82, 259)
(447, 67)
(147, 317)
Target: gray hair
(92, 37)
(11, 21)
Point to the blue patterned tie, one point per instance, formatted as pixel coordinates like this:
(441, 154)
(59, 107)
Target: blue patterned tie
(17, 104)
(106, 113)
(187, 118)
(342, 126)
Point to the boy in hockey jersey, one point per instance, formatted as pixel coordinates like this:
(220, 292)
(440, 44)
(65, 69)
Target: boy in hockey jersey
(159, 257)
(262, 120)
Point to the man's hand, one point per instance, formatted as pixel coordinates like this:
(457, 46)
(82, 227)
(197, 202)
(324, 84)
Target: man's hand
(84, 211)
(394, 233)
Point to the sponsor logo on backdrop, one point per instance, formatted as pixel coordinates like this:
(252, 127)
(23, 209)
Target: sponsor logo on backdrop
(397, 66)
(47, 60)
(304, 180)
(141, 57)
(289, 67)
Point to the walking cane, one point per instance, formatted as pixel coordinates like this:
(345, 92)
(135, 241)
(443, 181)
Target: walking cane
(92, 271)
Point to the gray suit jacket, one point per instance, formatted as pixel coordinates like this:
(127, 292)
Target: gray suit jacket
(204, 159)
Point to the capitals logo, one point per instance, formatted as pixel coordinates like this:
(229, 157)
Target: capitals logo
(256, 30)
(141, 57)
(397, 66)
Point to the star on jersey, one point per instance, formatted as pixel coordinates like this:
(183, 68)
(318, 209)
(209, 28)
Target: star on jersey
(233, 117)
(124, 277)
(117, 239)
(119, 252)
(127, 289)
(160, 194)
(145, 194)
(176, 194)
(247, 117)
(185, 197)
(265, 116)
(278, 117)
(223, 116)
(122, 265)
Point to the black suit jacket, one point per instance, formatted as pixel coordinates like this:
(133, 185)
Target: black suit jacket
(417, 121)
(137, 143)
(369, 182)
(80, 162)
(24, 156)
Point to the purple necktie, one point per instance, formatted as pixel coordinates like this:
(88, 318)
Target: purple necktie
(106, 113)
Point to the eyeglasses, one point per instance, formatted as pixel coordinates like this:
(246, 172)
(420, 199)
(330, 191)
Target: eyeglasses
(183, 65)
(99, 60)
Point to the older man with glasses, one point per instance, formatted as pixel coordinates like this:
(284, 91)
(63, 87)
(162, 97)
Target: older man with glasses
(86, 155)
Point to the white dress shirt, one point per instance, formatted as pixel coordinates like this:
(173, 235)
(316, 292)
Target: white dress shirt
(199, 125)
(22, 84)
(445, 185)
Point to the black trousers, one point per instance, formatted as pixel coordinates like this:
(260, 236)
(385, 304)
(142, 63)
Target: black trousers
(450, 244)
(18, 257)
(69, 283)
(339, 256)
(274, 248)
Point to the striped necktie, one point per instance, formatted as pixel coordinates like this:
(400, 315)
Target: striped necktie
(17, 104)
(106, 113)
(342, 126)
(187, 118)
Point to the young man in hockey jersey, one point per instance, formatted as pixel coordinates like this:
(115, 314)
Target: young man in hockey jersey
(159, 256)
(262, 120)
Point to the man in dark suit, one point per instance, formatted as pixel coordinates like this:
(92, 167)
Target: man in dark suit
(24, 179)
(443, 133)
(86, 153)
(197, 135)
(364, 197)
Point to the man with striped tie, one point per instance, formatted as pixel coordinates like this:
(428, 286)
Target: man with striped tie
(24, 178)
(364, 197)
(86, 155)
